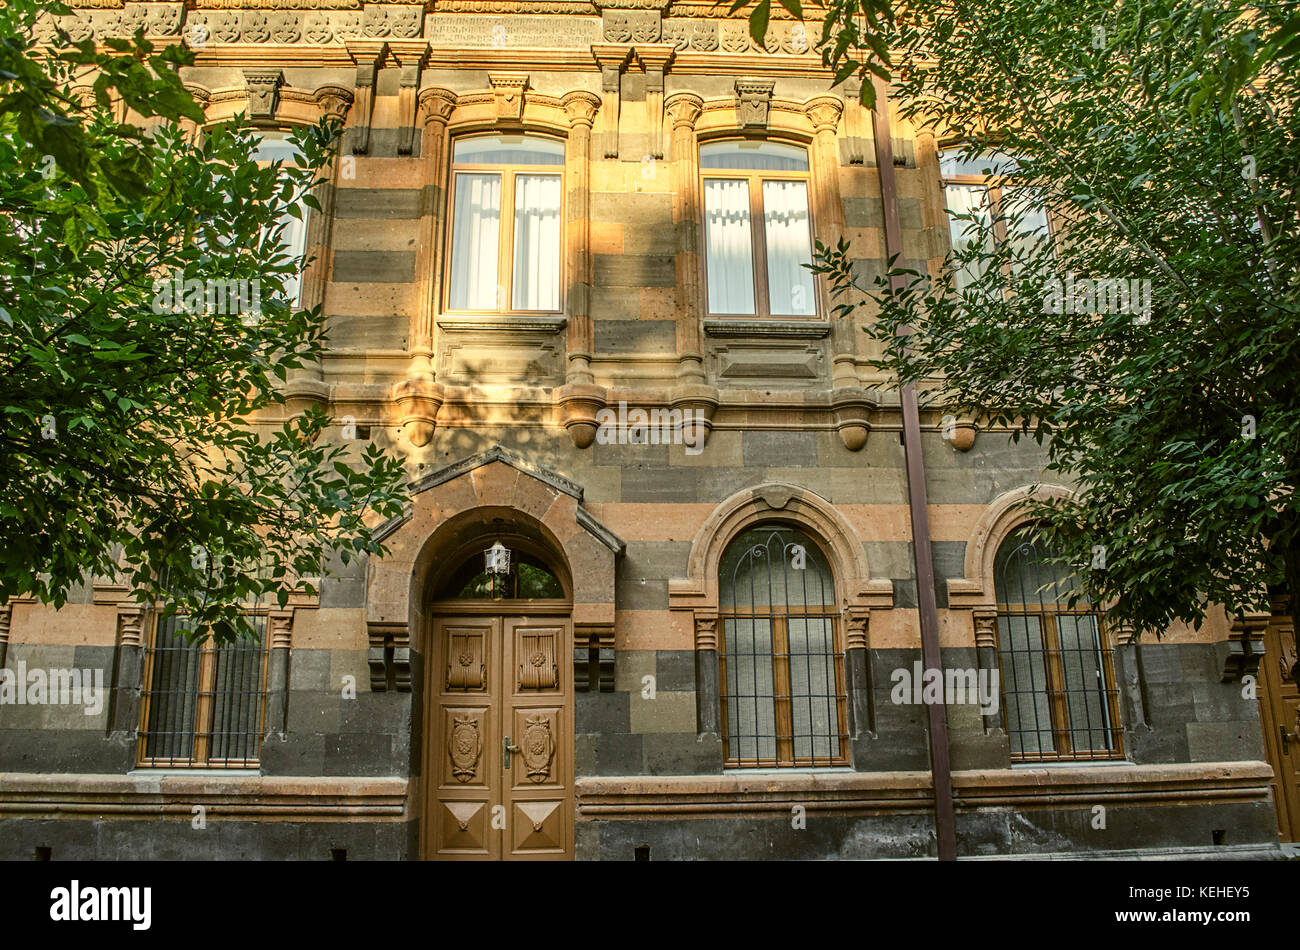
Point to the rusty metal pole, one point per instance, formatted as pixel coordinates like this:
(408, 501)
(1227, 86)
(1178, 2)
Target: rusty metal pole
(940, 765)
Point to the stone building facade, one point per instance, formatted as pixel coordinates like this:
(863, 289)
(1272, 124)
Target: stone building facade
(592, 702)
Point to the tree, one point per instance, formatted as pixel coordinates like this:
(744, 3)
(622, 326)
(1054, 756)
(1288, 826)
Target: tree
(1161, 138)
(144, 326)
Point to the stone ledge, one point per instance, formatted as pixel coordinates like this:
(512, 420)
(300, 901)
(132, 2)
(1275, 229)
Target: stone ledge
(872, 793)
(249, 797)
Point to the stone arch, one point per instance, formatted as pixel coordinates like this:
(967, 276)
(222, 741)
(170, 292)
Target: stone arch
(542, 505)
(1000, 518)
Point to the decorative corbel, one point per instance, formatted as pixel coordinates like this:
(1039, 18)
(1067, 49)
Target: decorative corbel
(960, 433)
(130, 624)
(856, 143)
(611, 59)
(697, 404)
(753, 102)
(852, 406)
(655, 60)
(509, 90)
(263, 87)
(1245, 646)
(418, 400)
(368, 55)
(386, 636)
(410, 56)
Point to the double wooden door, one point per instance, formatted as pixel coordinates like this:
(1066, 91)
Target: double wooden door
(499, 743)
(1279, 712)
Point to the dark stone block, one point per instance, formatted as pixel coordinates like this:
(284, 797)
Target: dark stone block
(619, 754)
(636, 336)
(779, 448)
(377, 203)
(675, 670)
(633, 271)
(602, 714)
(675, 753)
(373, 267)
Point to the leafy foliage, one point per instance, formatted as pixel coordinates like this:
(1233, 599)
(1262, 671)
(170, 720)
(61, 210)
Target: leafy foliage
(1162, 137)
(129, 411)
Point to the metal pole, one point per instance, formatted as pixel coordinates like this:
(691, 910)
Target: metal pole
(940, 765)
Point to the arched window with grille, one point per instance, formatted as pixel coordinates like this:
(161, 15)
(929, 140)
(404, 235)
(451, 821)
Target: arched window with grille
(1057, 669)
(782, 661)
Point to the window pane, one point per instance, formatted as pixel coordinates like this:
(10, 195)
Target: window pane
(765, 156)
(475, 242)
(508, 150)
(953, 161)
(812, 688)
(237, 694)
(789, 247)
(1081, 663)
(293, 233)
(969, 200)
(751, 708)
(173, 693)
(537, 242)
(728, 248)
(1024, 685)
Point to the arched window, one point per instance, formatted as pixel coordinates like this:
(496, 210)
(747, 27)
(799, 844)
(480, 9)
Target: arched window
(1057, 673)
(782, 669)
(528, 578)
(757, 229)
(505, 263)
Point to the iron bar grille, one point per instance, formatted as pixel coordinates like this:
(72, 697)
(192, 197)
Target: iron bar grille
(784, 702)
(203, 702)
(1059, 700)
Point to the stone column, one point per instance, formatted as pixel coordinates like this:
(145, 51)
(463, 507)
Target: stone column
(692, 392)
(128, 670)
(419, 396)
(280, 640)
(708, 688)
(6, 616)
(857, 665)
(986, 653)
(580, 398)
(306, 385)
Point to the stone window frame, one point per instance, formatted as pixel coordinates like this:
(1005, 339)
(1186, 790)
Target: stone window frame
(695, 598)
(812, 125)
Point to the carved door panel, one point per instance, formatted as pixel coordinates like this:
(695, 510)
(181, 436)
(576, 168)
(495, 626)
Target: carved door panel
(499, 750)
(1279, 708)
(537, 785)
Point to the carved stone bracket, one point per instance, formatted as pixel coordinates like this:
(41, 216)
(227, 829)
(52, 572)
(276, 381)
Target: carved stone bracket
(130, 624)
(655, 60)
(386, 636)
(852, 407)
(753, 102)
(856, 622)
(418, 400)
(701, 402)
(410, 56)
(986, 624)
(509, 90)
(579, 404)
(369, 56)
(1245, 646)
(612, 60)
(281, 629)
(263, 87)
(706, 631)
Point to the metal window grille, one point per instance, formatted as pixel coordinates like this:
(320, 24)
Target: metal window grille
(203, 702)
(1059, 700)
(784, 701)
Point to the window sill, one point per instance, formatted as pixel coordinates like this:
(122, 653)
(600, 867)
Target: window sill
(503, 321)
(767, 327)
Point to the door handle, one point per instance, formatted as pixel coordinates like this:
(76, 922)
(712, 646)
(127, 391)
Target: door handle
(1286, 737)
(514, 748)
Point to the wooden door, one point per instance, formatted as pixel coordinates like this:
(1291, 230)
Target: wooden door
(1279, 712)
(499, 747)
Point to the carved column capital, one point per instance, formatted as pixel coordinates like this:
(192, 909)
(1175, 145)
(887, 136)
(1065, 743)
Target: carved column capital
(130, 625)
(280, 629)
(706, 631)
(683, 109)
(436, 105)
(856, 622)
(824, 112)
(581, 108)
(334, 101)
(986, 626)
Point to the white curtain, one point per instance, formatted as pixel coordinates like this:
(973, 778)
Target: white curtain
(293, 241)
(728, 252)
(475, 242)
(789, 247)
(537, 243)
(967, 199)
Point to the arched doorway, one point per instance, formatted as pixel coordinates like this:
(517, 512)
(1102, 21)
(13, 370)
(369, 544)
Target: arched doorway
(498, 775)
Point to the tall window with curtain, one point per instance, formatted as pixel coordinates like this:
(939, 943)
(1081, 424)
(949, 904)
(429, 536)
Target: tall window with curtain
(275, 147)
(782, 664)
(505, 262)
(984, 205)
(203, 703)
(757, 229)
(1059, 700)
